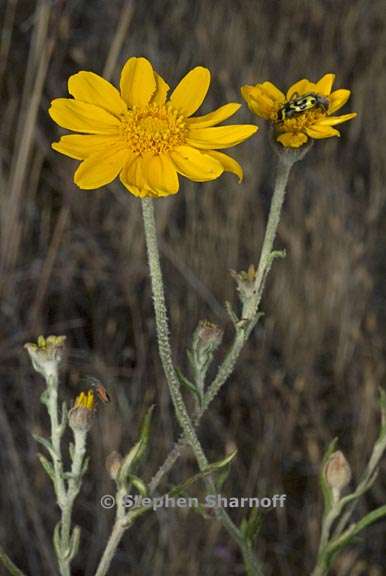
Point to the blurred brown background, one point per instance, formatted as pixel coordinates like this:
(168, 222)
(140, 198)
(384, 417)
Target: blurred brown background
(73, 262)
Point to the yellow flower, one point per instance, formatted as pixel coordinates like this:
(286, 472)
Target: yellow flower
(85, 400)
(294, 127)
(141, 135)
(81, 414)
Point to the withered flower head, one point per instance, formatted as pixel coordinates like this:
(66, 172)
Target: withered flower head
(46, 354)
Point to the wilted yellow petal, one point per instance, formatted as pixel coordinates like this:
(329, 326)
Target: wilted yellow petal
(229, 164)
(195, 165)
(93, 89)
(80, 146)
(191, 91)
(101, 168)
(214, 117)
(138, 82)
(82, 117)
(220, 136)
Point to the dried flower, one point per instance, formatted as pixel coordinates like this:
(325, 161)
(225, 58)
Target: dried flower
(113, 464)
(81, 414)
(337, 472)
(46, 354)
(245, 281)
(305, 111)
(142, 136)
(208, 335)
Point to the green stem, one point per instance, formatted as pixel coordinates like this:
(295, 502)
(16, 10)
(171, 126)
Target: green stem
(9, 565)
(171, 377)
(285, 163)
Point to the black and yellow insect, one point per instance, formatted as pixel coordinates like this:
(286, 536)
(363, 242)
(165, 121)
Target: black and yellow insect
(299, 104)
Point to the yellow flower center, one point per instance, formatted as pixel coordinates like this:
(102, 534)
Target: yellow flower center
(155, 129)
(301, 121)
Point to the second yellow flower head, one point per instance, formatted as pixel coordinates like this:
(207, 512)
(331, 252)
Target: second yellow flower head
(305, 111)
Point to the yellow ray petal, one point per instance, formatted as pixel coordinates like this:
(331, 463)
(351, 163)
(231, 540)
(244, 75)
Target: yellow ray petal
(80, 146)
(191, 91)
(137, 82)
(229, 164)
(301, 87)
(161, 174)
(317, 131)
(162, 89)
(101, 168)
(333, 120)
(126, 177)
(273, 92)
(83, 117)
(337, 99)
(292, 139)
(324, 85)
(214, 117)
(133, 177)
(93, 89)
(258, 101)
(195, 165)
(220, 136)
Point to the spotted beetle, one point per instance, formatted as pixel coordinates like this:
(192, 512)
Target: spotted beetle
(299, 104)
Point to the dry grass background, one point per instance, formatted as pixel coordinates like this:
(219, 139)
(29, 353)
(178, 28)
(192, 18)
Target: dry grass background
(73, 262)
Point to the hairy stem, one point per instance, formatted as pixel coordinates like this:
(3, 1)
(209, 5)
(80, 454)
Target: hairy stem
(242, 333)
(171, 377)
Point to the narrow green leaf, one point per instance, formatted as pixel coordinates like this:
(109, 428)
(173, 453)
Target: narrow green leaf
(188, 384)
(49, 469)
(231, 313)
(47, 445)
(9, 565)
(211, 469)
(44, 396)
(74, 543)
(136, 454)
(337, 544)
(57, 540)
(252, 526)
(139, 484)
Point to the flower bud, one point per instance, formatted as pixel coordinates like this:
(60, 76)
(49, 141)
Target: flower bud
(81, 414)
(207, 336)
(337, 473)
(113, 464)
(46, 355)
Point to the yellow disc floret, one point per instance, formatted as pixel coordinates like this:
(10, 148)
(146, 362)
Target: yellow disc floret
(155, 129)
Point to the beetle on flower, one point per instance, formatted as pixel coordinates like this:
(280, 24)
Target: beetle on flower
(305, 111)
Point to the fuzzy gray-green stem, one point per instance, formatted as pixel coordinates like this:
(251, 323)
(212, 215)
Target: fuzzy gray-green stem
(172, 380)
(285, 163)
